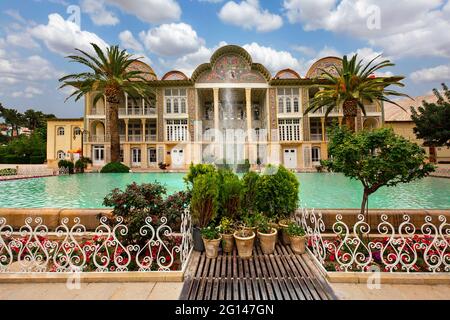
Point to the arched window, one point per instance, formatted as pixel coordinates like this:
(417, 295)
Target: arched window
(280, 105)
(77, 131)
(183, 105)
(288, 105)
(296, 108)
(176, 104)
(168, 105)
(60, 155)
(60, 131)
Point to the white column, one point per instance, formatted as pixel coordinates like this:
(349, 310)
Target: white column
(143, 130)
(251, 147)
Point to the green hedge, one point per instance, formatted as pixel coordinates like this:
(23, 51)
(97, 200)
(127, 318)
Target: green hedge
(37, 159)
(8, 172)
(14, 159)
(115, 167)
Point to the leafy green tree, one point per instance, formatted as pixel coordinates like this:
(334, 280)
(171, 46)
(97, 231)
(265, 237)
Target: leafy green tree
(277, 192)
(230, 187)
(353, 86)
(376, 158)
(110, 76)
(13, 118)
(432, 122)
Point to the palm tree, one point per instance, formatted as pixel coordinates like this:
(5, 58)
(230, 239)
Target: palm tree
(111, 78)
(354, 85)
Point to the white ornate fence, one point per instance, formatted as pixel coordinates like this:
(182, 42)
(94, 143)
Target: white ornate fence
(71, 248)
(405, 248)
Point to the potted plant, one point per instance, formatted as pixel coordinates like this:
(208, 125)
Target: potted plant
(297, 236)
(267, 236)
(245, 239)
(211, 239)
(204, 203)
(283, 225)
(250, 221)
(226, 229)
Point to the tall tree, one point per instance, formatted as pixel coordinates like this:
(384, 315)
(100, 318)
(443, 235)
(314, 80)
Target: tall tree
(353, 85)
(109, 77)
(13, 118)
(376, 158)
(432, 122)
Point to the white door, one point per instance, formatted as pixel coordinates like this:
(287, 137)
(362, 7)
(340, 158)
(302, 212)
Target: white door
(177, 157)
(98, 155)
(135, 157)
(315, 156)
(290, 158)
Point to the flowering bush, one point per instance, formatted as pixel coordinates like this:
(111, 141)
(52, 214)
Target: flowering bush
(420, 253)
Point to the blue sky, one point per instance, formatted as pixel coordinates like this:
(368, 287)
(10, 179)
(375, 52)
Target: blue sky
(36, 35)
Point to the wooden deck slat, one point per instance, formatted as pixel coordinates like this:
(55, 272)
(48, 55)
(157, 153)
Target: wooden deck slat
(282, 275)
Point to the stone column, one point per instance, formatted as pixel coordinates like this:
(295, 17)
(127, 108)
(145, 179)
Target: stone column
(251, 148)
(143, 130)
(217, 146)
(322, 120)
(126, 129)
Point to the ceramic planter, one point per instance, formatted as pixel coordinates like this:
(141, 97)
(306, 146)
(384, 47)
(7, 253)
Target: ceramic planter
(227, 243)
(244, 244)
(298, 244)
(212, 247)
(267, 241)
(198, 241)
(283, 232)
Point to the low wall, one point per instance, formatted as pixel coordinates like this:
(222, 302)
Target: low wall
(395, 217)
(52, 218)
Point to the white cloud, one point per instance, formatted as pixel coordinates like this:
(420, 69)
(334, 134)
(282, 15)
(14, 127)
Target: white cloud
(98, 13)
(439, 73)
(128, 41)
(32, 68)
(152, 11)
(272, 59)
(29, 92)
(305, 50)
(62, 36)
(189, 62)
(249, 15)
(22, 39)
(401, 27)
(173, 39)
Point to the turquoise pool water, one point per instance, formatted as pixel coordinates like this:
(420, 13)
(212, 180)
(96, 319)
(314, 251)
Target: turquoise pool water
(316, 191)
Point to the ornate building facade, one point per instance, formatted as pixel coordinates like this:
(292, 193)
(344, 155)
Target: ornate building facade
(230, 110)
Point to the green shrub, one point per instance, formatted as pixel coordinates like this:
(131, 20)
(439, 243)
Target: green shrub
(134, 204)
(8, 172)
(66, 164)
(226, 226)
(174, 206)
(248, 194)
(204, 201)
(277, 193)
(196, 170)
(115, 167)
(229, 194)
(243, 167)
(81, 164)
(15, 159)
(37, 159)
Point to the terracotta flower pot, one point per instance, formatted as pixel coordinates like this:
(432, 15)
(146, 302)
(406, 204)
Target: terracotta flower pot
(283, 232)
(298, 244)
(212, 247)
(227, 243)
(244, 244)
(267, 241)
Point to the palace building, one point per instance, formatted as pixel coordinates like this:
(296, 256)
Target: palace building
(230, 110)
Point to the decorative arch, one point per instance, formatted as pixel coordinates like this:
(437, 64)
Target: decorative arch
(97, 128)
(327, 63)
(231, 64)
(287, 74)
(174, 75)
(370, 123)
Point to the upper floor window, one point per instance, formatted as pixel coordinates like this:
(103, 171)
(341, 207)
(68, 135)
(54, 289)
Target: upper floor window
(176, 101)
(290, 129)
(60, 131)
(288, 100)
(77, 131)
(60, 155)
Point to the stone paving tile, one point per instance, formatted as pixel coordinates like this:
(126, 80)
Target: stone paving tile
(133, 291)
(348, 291)
(166, 291)
(98, 291)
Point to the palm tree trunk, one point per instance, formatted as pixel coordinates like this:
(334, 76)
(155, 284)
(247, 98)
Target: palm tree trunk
(350, 109)
(114, 131)
(433, 155)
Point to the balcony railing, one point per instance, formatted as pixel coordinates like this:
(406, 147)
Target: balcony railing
(322, 111)
(316, 137)
(373, 108)
(97, 111)
(137, 111)
(134, 138)
(97, 138)
(150, 137)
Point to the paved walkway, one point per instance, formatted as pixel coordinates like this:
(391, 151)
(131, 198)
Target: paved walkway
(91, 291)
(348, 291)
